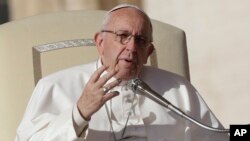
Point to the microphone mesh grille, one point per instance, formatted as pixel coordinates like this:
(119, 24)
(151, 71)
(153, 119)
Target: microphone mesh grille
(133, 83)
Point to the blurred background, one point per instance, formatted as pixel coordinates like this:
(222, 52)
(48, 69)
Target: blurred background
(217, 40)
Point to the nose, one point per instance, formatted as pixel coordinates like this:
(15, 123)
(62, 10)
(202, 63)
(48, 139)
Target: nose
(131, 45)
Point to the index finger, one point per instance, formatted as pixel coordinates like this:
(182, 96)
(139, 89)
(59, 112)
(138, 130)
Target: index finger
(96, 75)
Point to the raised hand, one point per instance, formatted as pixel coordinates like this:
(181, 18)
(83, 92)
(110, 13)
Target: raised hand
(95, 93)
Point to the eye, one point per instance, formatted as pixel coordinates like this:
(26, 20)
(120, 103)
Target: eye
(141, 40)
(123, 35)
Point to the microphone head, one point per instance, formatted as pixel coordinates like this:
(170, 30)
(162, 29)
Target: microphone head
(134, 83)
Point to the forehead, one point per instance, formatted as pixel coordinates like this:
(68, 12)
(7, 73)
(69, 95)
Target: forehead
(128, 19)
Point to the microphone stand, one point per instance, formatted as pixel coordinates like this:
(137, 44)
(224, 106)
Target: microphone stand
(139, 85)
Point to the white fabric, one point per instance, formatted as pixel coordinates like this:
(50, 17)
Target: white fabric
(52, 113)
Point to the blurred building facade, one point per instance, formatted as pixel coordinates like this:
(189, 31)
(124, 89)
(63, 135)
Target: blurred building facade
(24, 8)
(4, 11)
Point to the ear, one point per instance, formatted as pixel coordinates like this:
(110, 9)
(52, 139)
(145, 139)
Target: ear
(99, 42)
(150, 49)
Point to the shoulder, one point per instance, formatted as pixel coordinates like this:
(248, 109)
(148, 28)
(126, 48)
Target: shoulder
(159, 75)
(76, 73)
(165, 81)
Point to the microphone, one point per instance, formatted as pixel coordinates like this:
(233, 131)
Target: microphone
(138, 86)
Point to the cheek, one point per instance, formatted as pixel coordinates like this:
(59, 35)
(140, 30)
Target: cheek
(107, 55)
(143, 56)
(111, 53)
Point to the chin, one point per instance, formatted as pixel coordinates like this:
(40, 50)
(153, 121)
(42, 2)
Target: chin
(126, 75)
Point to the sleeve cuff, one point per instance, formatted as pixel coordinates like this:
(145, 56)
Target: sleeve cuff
(80, 124)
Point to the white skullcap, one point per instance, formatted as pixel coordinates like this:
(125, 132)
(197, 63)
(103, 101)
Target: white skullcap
(126, 6)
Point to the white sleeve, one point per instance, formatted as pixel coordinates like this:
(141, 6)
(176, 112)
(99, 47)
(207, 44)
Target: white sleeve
(49, 117)
(80, 124)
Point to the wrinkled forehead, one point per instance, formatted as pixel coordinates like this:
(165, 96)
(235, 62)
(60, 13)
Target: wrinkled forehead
(128, 16)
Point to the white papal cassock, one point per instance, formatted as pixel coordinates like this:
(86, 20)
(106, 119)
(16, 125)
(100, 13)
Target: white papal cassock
(52, 115)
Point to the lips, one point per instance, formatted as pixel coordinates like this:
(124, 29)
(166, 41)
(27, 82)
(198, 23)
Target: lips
(127, 61)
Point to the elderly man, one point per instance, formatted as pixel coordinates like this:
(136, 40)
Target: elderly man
(91, 102)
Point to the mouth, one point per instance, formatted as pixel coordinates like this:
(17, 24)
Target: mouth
(128, 62)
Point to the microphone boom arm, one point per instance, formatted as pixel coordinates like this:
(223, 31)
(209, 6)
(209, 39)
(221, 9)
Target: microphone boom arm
(138, 85)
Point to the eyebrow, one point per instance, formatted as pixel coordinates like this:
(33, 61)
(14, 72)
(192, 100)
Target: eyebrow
(123, 30)
(127, 31)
